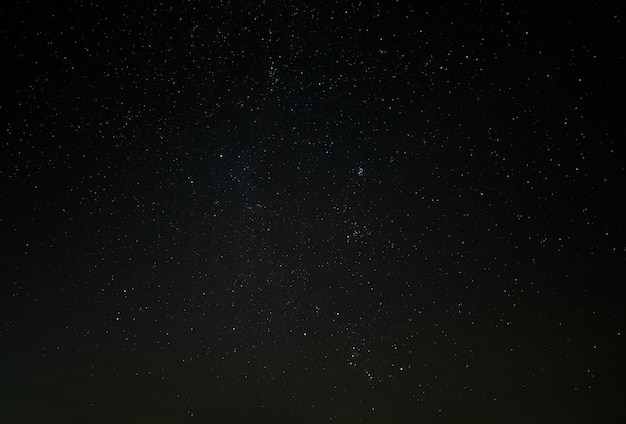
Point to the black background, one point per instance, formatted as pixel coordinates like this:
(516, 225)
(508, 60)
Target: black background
(311, 212)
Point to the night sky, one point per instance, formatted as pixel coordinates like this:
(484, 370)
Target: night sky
(312, 212)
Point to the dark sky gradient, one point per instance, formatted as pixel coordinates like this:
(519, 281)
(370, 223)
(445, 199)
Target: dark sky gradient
(312, 212)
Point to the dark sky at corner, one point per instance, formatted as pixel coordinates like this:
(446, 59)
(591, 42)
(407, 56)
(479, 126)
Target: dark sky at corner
(311, 212)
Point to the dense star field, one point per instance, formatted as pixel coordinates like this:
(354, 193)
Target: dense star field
(311, 212)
